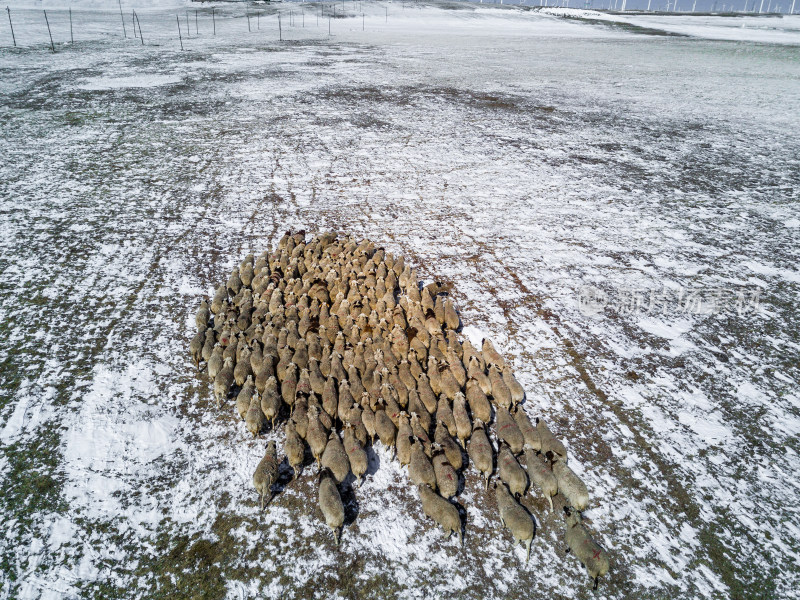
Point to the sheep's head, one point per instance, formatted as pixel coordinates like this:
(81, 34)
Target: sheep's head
(572, 516)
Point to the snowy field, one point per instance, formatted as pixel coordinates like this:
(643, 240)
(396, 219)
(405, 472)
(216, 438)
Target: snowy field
(619, 211)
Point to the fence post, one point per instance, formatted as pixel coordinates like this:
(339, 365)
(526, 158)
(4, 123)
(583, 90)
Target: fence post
(214, 18)
(124, 32)
(71, 37)
(46, 20)
(139, 23)
(180, 37)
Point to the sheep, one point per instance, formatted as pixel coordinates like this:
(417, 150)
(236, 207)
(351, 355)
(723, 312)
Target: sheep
(461, 417)
(242, 369)
(589, 552)
(208, 346)
(478, 402)
(346, 402)
(254, 419)
(283, 363)
(294, 448)
(550, 445)
(337, 370)
(300, 356)
(264, 371)
(451, 449)
(480, 451)
(316, 436)
(355, 453)
(335, 458)
(510, 472)
(368, 419)
(441, 511)
(421, 432)
(426, 395)
(300, 417)
(309, 312)
(385, 428)
(330, 398)
(529, 432)
(271, 401)
(446, 476)
(492, 356)
(428, 304)
(420, 469)
(404, 373)
(220, 296)
(514, 386)
(356, 388)
(303, 384)
(390, 405)
(515, 517)
(434, 378)
(223, 381)
(231, 350)
(244, 396)
(324, 417)
(450, 315)
(330, 503)
(571, 486)
(541, 474)
(444, 414)
(403, 441)
(416, 407)
(289, 385)
(448, 382)
(456, 368)
(246, 274)
(196, 347)
(256, 354)
(266, 473)
(315, 376)
(475, 370)
(508, 431)
(500, 392)
(355, 421)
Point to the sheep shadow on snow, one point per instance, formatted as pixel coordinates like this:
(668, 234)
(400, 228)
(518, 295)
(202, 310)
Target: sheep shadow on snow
(349, 500)
(285, 476)
(373, 461)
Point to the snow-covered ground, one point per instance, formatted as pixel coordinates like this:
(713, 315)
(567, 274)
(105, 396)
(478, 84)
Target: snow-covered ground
(618, 211)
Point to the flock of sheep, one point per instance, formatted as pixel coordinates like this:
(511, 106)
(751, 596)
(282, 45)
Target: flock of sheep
(336, 340)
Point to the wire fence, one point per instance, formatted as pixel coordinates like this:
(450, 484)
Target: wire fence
(55, 28)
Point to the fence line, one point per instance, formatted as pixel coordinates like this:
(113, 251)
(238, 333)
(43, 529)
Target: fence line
(157, 32)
